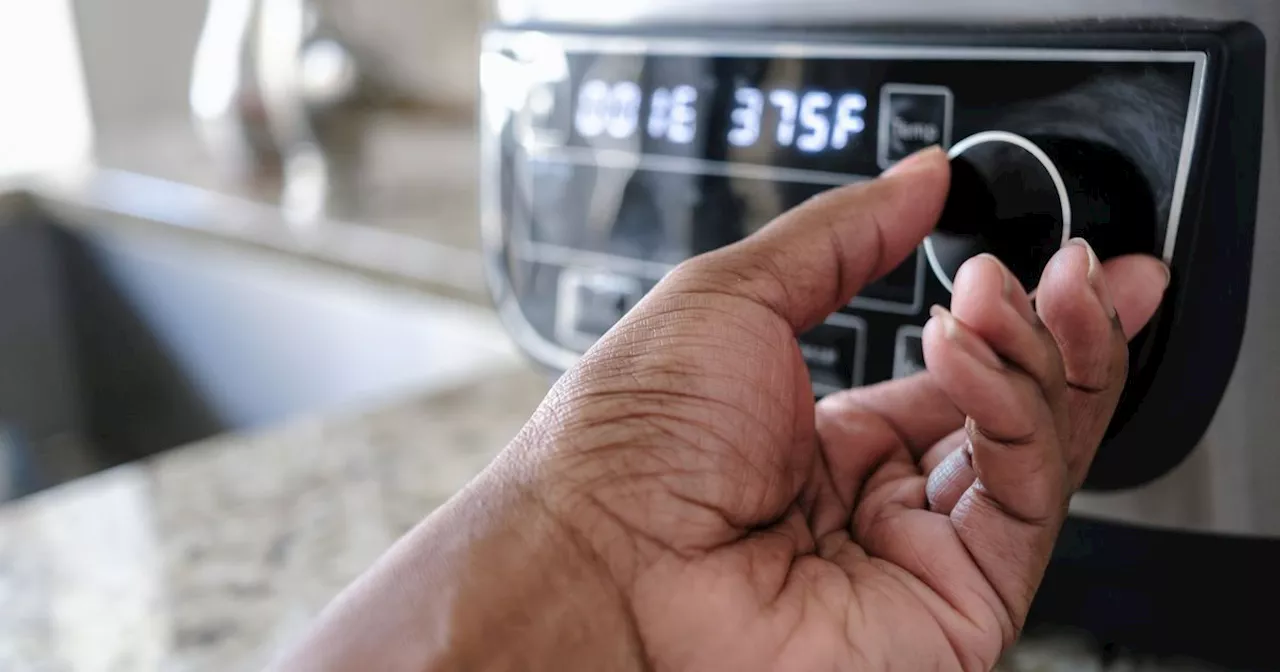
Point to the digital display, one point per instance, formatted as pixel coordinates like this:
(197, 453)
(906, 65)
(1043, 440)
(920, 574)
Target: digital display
(811, 121)
(806, 114)
(654, 156)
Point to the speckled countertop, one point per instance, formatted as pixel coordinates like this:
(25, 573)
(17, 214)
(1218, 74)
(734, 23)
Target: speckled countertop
(215, 556)
(212, 556)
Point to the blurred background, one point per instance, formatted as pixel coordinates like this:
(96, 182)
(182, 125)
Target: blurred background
(345, 95)
(245, 336)
(153, 151)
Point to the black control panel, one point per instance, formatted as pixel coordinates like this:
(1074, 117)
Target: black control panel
(611, 158)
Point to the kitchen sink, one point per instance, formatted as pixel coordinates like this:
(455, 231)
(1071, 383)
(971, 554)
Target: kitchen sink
(119, 342)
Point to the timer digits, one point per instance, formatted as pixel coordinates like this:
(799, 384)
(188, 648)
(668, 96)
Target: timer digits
(673, 114)
(614, 110)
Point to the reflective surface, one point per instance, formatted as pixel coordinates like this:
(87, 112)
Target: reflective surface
(1228, 484)
(624, 155)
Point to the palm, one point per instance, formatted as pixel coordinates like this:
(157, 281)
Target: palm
(765, 533)
(781, 563)
(813, 590)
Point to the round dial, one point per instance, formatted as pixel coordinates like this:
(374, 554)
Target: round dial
(1008, 199)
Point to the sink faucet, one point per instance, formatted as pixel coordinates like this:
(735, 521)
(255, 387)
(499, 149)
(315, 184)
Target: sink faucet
(277, 96)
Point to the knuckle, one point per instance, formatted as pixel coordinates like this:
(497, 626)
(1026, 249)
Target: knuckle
(741, 272)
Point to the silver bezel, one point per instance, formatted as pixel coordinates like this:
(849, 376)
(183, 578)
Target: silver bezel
(557, 357)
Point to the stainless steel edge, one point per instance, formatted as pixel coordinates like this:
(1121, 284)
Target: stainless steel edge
(671, 46)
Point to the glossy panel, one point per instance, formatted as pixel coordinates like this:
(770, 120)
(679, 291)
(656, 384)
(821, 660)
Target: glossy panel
(1227, 485)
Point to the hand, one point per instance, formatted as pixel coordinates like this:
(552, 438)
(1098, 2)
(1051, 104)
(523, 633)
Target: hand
(678, 502)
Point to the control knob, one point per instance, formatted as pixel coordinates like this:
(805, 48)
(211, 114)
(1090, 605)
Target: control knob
(1022, 200)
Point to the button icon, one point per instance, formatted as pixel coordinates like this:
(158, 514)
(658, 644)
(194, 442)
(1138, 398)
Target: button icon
(908, 352)
(590, 303)
(835, 353)
(901, 291)
(912, 117)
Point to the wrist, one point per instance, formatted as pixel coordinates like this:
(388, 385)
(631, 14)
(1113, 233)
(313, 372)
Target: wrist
(491, 580)
(526, 593)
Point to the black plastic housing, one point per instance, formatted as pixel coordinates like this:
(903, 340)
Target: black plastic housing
(1181, 365)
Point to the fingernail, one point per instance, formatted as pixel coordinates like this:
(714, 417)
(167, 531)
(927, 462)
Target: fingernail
(1020, 304)
(1168, 275)
(911, 162)
(1097, 280)
(1007, 289)
(967, 342)
(950, 479)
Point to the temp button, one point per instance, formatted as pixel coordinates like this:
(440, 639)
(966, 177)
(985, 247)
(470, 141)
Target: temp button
(912, 117)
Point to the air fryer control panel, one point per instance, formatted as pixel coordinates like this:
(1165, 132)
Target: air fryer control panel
(611, 158)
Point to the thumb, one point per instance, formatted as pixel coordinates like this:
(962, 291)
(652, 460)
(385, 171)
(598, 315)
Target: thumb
(811, 261)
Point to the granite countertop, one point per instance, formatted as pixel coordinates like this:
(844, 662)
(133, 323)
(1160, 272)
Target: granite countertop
(211, 557)
(215, 556)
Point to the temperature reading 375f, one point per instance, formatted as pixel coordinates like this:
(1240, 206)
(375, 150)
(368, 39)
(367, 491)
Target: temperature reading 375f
(812, 122)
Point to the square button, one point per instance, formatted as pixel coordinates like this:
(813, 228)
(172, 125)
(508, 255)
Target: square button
(901, 291)
(912, 117)
(590, 303)
(835, 352)
(908, 352)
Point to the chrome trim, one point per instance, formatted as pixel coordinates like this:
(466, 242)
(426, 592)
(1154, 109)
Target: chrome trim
(555, 356)
(713, 46)
(1194, 109)
(544, 351)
